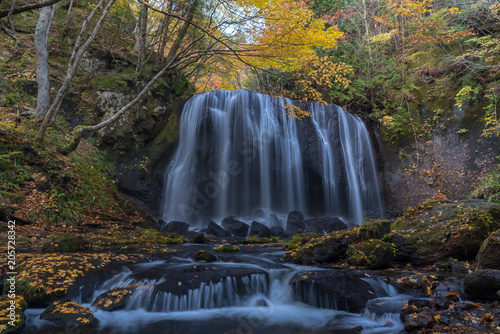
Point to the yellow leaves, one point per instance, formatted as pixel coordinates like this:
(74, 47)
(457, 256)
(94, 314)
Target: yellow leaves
(437, 317)
(107, 303)
(83, 320)
(383, 37)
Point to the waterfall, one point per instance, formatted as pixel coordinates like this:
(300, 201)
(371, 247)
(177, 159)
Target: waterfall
(240, 154)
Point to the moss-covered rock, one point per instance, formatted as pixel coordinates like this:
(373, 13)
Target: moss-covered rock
(443, 230)
(227, 248)
(12, 318)
(70, 315)
(489, 253)
(115, 299)
(202, 255)
(373, 254)
(198, 238)
(65, 243)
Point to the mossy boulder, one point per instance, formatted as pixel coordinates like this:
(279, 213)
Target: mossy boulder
(198, 238)
(12, 313)
(373, 254)
(331, 247)
(443, 230)
(65, 243)
(202, 255)
(70, 315)
(115, 299)
(489, 253)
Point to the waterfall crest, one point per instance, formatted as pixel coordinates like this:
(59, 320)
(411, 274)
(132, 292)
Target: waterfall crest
(240, 154)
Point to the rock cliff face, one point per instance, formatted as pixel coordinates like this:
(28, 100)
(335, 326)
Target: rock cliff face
(446, 162)
(140, 143)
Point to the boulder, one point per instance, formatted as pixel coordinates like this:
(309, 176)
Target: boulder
(416, 284)
(177, 227)
(404, 249)
(295, 223)
(489, 253)
(483, 285)
(235, 226)
(373, 254)
(440, 231)
(273, 220)
(260, 230)
(217, 231)
(331, 289)
(324, 224)
(70, 315)
(115, 299)
(279, 232)
(198, 238)
(202, 255)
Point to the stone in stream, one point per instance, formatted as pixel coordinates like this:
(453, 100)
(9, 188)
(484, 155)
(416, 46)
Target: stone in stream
(115, 299)
(332, 289)
(324, 224)
(260, 230)
(279, 232)
(483, 285)
(202, 255)
(295, 223)
(177, 227)
(217, 231)
(70, 315)
(235, 226)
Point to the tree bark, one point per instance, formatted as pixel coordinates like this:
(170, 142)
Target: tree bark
(141, 42)
(42, 60)
(74, 62)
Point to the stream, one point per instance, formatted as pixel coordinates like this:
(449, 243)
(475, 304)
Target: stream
(246, 292)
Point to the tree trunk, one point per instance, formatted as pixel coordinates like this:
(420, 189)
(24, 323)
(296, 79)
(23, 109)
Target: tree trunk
(141, 47)
(42, 60)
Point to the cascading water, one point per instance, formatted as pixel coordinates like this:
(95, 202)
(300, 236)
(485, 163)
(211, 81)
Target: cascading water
(240, 154)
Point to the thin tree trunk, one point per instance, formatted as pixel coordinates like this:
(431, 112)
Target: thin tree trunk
(182, 32)
(42, 60)
(74, 62)
(141, 49)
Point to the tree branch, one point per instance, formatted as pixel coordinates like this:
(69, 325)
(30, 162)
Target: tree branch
(18, 10)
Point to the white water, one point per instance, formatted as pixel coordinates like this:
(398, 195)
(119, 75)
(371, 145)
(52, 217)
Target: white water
(240, 154)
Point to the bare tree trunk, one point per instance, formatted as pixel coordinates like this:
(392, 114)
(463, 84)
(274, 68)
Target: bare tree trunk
(141, 47)
(74, 62)
(182, 32)
(66, 22)
(42, 60)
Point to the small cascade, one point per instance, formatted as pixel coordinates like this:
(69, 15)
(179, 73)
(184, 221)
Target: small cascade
(229, 291)
(240, 154)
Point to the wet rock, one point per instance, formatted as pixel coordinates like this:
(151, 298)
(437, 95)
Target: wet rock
(489, 253)
(417, 284)
(177, 227)
(261, 302)
(385, 305)
(70, 315)
(404, 249)
(198, 238)
(13, 317)
(202, 255)
(419, 321)
(273, 220)
(324, 224)
(260, 230)
(65, 243)
(295, 223)
(483, 285)
(115, 299)
(217, 231)
(235, 226)
(279, 232)
(415, 306)
(331, 289)
(373, 254)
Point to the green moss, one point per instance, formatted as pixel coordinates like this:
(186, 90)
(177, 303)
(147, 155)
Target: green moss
(253, 239)
(299, 240)
(65, 243)
(373, 254)
(227, 248)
